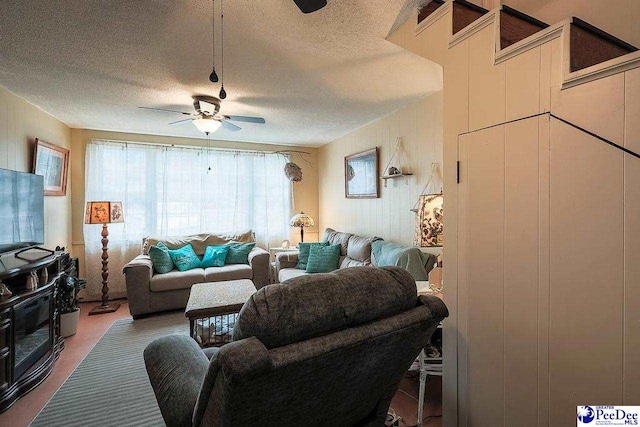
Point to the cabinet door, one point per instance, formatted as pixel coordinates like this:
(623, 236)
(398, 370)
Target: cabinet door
(5, 340)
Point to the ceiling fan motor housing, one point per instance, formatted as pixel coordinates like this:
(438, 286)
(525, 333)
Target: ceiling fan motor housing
(208, 99)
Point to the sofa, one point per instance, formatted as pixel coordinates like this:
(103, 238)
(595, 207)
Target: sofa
(318, 350)
(357, 251)
(149, 292)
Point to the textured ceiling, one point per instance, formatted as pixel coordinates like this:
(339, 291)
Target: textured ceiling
(313, 77)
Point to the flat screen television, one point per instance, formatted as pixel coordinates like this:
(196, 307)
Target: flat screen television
(21, 210)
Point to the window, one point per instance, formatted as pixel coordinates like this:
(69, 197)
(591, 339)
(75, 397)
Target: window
(169, 191)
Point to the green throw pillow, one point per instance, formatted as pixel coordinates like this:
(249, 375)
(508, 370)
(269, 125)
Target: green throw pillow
(303, 253)
(160, 258)
(215, 256)
(239, 252)
(323, 259)
(185, 258)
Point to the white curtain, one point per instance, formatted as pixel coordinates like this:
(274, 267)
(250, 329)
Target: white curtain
(170, 191)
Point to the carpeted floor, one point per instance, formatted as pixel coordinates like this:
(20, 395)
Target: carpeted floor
(110, 387)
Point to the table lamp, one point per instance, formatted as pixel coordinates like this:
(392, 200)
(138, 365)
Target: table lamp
(301, 220)
(104, 213)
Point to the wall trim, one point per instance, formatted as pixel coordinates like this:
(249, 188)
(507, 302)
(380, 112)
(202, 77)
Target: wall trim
(433, 18)
(531, 42)
(475, 27)
(614, 66)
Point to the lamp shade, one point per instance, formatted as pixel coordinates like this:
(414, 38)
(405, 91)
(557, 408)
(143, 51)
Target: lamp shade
(103, 213)
(301, 220)
(207, 125)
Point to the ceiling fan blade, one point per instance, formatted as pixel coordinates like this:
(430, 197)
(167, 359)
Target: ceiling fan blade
(230, 126)
(207, 108)
(169, 111)
(308, 6)
(247, 119)
(180, 122)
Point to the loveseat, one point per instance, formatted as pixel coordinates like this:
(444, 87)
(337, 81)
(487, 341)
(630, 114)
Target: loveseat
(150, 292)
(357, 251)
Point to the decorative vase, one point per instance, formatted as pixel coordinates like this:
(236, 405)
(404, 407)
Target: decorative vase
(69, 323)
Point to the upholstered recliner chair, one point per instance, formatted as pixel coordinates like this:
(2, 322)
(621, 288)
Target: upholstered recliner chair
(325, 349)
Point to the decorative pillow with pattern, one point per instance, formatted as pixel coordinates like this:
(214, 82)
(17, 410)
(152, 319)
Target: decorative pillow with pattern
(215, 256)
(185, 258)
(323, 259)
(303, 253)
(160, 258)
(239, 252)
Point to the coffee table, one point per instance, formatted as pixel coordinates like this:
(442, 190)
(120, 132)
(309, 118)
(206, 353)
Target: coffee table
(213, 308)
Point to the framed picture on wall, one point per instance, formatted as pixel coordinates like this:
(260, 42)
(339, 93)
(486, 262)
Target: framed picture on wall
(429, 227)
(361, 180)
(52, 162)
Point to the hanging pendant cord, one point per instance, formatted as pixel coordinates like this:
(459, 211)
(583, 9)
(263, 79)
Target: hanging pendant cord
(213, 32)
(222, 40)
(434, 171)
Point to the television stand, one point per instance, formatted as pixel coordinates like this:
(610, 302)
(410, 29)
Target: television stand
(48, 253)
(30, 340)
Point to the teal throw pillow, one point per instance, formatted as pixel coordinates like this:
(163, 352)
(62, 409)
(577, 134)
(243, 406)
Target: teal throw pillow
(185, 258)
(303, 253)
(215, 256)
(239, 252)
(323, 259)
(160, 258)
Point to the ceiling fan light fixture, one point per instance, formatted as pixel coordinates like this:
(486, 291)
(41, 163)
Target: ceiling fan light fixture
(207, 125)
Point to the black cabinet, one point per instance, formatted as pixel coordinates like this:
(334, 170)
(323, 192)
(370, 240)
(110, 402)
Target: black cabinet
(29, 325)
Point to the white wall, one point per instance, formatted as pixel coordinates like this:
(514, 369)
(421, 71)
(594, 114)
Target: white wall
(541, 280)
(420, 127)
(20, 124)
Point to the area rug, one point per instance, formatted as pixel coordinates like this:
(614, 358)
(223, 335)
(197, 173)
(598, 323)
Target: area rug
(110, 387)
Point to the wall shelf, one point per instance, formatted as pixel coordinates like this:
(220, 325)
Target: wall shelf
(385, 178)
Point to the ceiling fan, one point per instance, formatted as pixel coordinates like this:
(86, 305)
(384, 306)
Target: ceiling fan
(207, 117)
(308, 6)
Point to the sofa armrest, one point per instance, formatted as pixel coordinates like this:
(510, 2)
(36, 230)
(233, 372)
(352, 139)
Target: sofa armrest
(137, 275)
(259, 261)
(286, 260)
(176, 367)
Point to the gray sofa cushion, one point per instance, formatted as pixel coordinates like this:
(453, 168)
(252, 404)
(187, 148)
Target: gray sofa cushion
(359, 248)
(176, 280)
(346, 262)
(228, 272)
(312, 305)
(337, 238)
(290, 273)
(199, 242)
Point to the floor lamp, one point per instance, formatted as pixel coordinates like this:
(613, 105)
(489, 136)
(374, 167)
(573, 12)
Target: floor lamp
(104, 213)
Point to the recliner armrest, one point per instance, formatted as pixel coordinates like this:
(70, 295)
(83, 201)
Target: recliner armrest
(176, 367)
(259, 261)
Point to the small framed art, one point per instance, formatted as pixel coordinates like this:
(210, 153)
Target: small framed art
(52, 162)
